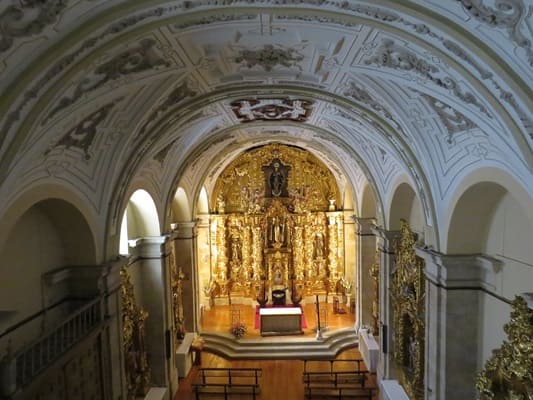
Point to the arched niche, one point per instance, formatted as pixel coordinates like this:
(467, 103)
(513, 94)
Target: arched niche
(368, 203)
(203, 203)
(181, 208)
(348, 199)
(49, 235)
(140, 219)
(406, 205)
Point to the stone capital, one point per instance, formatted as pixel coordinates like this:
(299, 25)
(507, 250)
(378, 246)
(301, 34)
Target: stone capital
(364, 225)
(475, 271)
(149, 247)
(386, 239)
(185, 230)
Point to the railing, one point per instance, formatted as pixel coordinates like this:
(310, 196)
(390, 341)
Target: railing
(26, 363)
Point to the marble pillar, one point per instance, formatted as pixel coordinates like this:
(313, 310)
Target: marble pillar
(453, 290)
(386, 241)
(365, 259)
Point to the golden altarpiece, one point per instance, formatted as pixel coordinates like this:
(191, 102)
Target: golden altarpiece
(408, 314)
(275, 231)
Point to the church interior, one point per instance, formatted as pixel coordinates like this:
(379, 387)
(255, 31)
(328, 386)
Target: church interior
(228, 198)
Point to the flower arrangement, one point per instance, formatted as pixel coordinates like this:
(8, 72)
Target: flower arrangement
(238, 330)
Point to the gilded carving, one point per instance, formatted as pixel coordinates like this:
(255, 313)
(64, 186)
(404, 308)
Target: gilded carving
(176, 282)
(508, 374)
(408, 304)
(133, 334)
(273, 228)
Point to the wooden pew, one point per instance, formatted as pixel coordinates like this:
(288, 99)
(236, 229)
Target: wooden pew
(226, 382)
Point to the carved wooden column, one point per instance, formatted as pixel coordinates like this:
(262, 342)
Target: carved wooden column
(385, 243)
(452, 329)
(365, 259)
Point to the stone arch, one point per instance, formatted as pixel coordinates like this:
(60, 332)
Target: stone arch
(202, 206)
(405, 205)
(181, 208)
(479, 193)
(368, 203)
(348, 199)
(49, 235)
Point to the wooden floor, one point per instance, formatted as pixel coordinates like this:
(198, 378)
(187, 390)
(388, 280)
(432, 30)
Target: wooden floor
(218, 319)
(281, 379)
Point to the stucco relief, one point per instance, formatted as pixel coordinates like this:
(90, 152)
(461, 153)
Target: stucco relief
(138, 58)
(506, 14)
(82, 135)
(268, 57)
(452, 119)
(180, 93)
(27, 18)
(394, 56)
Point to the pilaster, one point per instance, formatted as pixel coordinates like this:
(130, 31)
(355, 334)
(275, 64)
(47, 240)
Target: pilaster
(453, 285)
(185, 242)
(365, 258)
(150, 254)
(385, 242)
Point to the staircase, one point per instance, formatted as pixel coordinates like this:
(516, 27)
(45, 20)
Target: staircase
(280, 347)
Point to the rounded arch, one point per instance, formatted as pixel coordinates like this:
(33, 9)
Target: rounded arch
(368, 202)
(348, 199)
(82, 216)
(405, 205)
(475, 206)
(142, 216)
(181, 208)
(49, 235)
(202, 206)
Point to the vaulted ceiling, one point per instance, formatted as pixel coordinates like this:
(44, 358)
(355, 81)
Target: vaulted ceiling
(107, 95)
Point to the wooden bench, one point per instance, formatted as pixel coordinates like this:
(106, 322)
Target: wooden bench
(349, 364)
(227, 382)
(340, 393)
(336, 379)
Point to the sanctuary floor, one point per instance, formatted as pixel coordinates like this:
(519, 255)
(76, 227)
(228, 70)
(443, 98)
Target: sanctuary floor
(218, 319)
(281, 379)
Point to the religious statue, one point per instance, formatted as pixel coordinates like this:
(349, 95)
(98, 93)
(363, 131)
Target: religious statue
(277, 231)
(276, 181)
(319, 245)
(235, 249)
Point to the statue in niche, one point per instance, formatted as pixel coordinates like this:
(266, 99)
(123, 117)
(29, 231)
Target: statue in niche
(236, 254)
(319, 246)
(276, 175)
(221, 204)
(277, 231)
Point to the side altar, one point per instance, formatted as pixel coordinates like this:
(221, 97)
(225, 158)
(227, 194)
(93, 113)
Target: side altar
(274, 230)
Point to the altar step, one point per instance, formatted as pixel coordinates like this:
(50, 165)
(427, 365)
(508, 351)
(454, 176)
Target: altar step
(280, 347)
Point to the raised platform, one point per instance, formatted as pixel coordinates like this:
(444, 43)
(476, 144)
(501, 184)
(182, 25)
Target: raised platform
(280, 347)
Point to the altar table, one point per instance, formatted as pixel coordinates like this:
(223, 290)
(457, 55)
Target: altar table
(281, 321)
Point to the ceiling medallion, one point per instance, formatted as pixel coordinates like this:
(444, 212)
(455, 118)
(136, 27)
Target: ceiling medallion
(272, 110)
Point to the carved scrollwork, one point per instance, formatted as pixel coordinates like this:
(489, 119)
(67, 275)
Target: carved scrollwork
(83, 134)
(507, 14)
(133, 333)
(408, 294)
(508, 374)
(27, 18)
